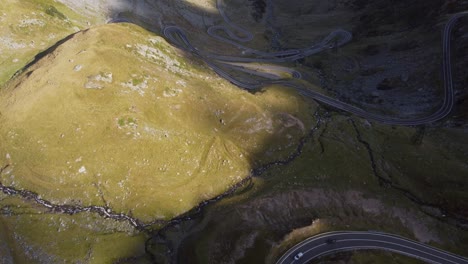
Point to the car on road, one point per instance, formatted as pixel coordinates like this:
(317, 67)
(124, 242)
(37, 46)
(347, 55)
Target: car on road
(298, 256)
(330, 241)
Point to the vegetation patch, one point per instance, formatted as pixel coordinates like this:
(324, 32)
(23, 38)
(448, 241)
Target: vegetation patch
(153, 155)
(52, 11)
(31, 27)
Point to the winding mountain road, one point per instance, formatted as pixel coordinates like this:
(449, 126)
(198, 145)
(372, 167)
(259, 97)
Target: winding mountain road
(333, 242)
(221, 64)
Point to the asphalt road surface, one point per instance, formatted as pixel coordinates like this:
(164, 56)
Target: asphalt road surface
(235, 34)
(333, 242)
(222, 64)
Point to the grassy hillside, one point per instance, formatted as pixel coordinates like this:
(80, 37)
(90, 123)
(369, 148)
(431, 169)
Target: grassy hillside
(117, 117)
(118, 114)
(31, 26)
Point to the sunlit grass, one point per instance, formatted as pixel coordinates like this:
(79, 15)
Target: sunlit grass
(153, 148)
(31, 26)
(25, 236)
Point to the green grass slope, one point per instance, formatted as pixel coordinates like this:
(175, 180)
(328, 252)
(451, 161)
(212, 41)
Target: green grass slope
(115, 117)
(31, 26)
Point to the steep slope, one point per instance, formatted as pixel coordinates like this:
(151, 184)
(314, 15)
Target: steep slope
(116, 111)
(115, 117)
(112, 132)
(31, 26)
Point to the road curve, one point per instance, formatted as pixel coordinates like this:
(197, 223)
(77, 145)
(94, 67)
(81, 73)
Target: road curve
(220, 64)
(213, 30)
(333, 242)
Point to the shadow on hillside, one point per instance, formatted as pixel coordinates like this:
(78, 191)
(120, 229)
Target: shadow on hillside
(195, 20)
(156, 15)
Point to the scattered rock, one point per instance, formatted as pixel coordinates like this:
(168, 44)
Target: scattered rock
(82, 170)
(11, 44)
(31, 22)
(137, 84)
(171, 92)
(158, 56)
(98, 81)
(78, 68)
